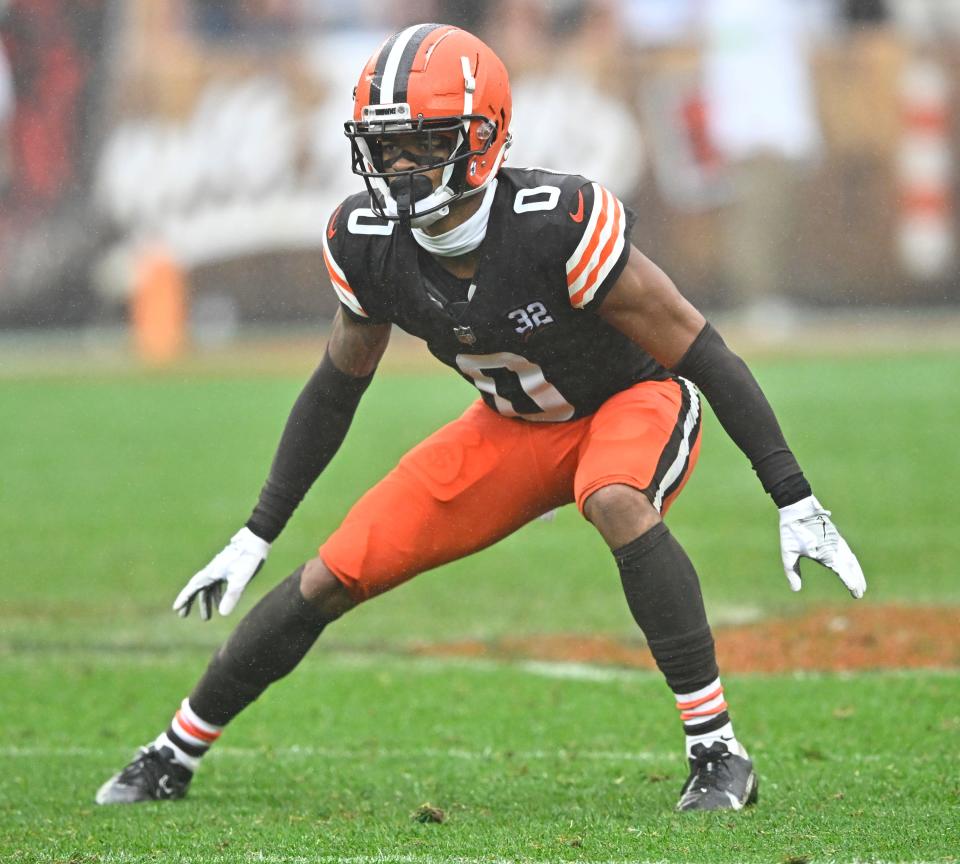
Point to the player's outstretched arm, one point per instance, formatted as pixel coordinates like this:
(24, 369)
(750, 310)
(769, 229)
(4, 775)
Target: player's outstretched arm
(314, 432)
(646, 306)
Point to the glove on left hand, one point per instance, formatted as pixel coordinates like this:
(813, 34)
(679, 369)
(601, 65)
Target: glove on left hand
(806, 531)
(222, 581)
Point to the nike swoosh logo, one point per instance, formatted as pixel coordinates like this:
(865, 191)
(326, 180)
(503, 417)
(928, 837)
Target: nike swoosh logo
(578, 216)
(735, 803)
(332, 227)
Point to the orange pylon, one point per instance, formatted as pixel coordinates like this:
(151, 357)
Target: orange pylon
(158, 310)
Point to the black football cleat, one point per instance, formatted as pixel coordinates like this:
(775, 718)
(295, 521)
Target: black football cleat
(154, 775)
(719, 780)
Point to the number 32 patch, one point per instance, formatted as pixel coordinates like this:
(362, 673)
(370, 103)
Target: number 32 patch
(530, 317)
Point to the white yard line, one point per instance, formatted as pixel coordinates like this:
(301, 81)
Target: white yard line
(345, 754)
(271, 858)
(383, 858)
(349, 658)
(485, 754)
(583, 671)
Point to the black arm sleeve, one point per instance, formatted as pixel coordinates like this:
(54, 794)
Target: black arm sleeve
(745, 414)
(314, 432)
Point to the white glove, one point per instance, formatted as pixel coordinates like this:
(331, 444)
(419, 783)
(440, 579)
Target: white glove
(232, 570)
(806, 531)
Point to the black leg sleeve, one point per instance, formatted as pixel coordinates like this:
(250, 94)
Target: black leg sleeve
(267, 644)
(663, 593)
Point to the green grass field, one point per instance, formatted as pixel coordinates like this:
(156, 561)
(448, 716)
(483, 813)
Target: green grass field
(116, 487)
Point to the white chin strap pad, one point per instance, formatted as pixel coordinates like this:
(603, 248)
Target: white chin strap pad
(428, 219)
(438, 198)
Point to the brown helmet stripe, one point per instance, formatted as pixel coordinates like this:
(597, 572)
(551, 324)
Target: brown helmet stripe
(378, 71)
(407, 58)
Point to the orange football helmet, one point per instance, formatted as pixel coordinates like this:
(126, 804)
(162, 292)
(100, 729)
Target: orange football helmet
(442, 83)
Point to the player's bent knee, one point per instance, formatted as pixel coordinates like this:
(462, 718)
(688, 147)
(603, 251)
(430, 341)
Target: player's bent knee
(619, 501)
(324, 591)
(620, 513)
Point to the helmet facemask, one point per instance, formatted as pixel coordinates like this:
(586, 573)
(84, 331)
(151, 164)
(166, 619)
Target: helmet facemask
(387, 133)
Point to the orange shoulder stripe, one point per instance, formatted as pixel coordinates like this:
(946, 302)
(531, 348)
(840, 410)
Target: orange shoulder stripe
(604, 255)
(574, 274)
(334, 276)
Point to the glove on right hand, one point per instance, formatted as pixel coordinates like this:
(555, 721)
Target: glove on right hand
(807, 531)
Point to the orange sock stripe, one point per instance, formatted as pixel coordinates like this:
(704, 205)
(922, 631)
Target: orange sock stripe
(196, 731)
(689, 715)
(686, 706)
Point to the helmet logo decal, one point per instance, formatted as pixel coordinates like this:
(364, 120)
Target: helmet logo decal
(432, 48)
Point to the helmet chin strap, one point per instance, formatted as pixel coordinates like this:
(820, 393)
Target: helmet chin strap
(428, 219)
(438, 197)
(466, 237)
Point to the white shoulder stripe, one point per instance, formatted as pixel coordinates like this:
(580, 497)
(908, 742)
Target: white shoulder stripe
(595, 209)
(339, 281)
(330, 260)
(598, 237)
(611, 259)
(593, 269)
(350, 301)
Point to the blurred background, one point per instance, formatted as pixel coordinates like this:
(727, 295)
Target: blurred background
(167, 166)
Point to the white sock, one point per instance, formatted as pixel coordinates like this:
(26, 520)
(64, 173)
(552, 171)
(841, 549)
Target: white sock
(724, 734)
(184, 759)
(706, 707)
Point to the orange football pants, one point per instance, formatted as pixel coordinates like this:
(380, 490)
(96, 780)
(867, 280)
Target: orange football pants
(481, 477)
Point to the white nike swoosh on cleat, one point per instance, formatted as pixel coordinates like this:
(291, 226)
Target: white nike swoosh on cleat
(735, 802)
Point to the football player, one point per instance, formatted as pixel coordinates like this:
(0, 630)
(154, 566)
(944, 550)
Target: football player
(588, 362)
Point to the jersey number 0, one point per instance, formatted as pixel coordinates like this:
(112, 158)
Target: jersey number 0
(517, 386)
